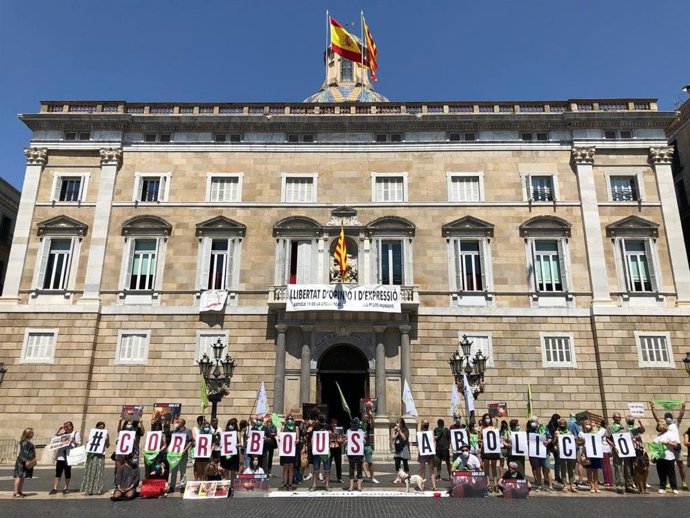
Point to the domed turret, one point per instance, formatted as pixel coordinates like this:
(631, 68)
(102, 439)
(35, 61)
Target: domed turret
(346, 81)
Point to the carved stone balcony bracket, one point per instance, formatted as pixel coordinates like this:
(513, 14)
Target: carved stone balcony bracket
(583, 155)
(110, 156)
(36, 155)
(661, 155)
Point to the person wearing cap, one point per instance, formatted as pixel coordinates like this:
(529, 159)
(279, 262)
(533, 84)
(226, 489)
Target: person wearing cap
(466, 461)
(512, 474)
(427, 460)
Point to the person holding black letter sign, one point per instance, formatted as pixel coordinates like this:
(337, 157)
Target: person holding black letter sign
(427, 460)
(563, 437)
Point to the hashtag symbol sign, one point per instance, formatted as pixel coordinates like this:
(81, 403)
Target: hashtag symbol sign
(95, 444)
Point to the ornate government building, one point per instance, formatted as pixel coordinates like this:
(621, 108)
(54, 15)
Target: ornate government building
(547, 232)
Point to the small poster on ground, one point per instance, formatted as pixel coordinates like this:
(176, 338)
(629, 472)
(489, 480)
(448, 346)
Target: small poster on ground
(203, 489)
(516, 489)
(469, 484)
(250, 485)
(132, 412)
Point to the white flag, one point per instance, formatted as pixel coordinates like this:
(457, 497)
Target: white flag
(454, 409)
(469, 398)
(410, 407)
(262, 400)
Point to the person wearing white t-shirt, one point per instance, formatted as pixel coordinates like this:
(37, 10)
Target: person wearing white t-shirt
(674, 423)
(61, 465)
(665, 465)
(254, 468)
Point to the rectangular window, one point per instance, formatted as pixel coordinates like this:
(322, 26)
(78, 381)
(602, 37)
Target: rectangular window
(143, 267)
(464, 188)
(391, 262)
(624, 188)
(299, 264)
(70, 188)
(299, 189)
(547, 266)
(157, 137)
(294, 138)
(541, 188)
(654, 350)
(557, 351)
(78, 135)
(636, 258)
(346, 72)
(468, 266)
(39, 346)
(389, 189)
(133, 347)
(227, 137)
(150, 189)
(57, 265)
(458, 137)
(218, 268)
(225, 189)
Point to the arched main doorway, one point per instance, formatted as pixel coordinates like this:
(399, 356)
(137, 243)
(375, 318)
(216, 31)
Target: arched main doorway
(346, 365)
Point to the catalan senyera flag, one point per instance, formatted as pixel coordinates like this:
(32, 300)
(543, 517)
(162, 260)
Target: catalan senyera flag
(371, 52)
(340, 253)
(344, 43)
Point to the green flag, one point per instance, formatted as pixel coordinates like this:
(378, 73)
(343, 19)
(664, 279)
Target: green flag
(275, 419)
(529, 401)
(204, 394)
(656, 450)
(668, 404)
(342, 400)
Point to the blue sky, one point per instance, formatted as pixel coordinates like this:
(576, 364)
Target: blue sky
(213, 50)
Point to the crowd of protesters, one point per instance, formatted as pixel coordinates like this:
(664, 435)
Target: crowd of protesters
(551, 473)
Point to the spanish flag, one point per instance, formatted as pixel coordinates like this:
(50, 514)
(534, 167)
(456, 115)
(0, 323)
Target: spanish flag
(340, 253)
(370, 51)
(344, 43)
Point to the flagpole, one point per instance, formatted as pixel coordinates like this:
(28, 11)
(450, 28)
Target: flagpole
(361, 54)
(328, 46)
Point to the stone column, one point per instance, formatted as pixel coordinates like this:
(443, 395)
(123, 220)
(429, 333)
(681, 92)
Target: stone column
(381, 371)
(36, 159)
(305, 366)
(279, 381)
(661, 160)
(111, 160)
(405, 354)
(583, 158)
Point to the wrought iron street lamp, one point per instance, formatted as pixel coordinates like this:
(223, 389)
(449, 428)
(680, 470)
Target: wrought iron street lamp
(464, 365)
(218, 381)
(3, 370)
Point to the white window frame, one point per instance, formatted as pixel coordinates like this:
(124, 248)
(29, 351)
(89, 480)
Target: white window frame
(209, 186)
(143, 360)
(128, 256)
(488, 353)
(283, 186)
(407, 259)
(557, 364)
(59, 177)
(640, 336)
(639, 181)
(222, 334)
(50, 356)
(651, 254)
(484, 254)
(232, 266)
(526, 179)
(42, 263)
(450, 176)
(563, 259)
(374, 180)
(163, 189)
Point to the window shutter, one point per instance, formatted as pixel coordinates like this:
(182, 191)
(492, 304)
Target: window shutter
(563, 264)
(457, 257)
(626, 267)
(303, 262)
(42, 263)
(205, 262)
(378, 262)
(127, 267)
(229, 263)
(649, 252)
(483, 265)
(68, 266)
(532, 266)
(57, 185)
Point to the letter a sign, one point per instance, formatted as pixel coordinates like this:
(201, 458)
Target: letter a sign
(426, 444)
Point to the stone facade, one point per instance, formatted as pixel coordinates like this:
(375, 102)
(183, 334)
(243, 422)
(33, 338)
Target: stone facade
(63, 342)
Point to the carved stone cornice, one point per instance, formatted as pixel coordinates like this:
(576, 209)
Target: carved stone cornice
(36, 155)
(110, 156)
(661, 155)
(583, 155)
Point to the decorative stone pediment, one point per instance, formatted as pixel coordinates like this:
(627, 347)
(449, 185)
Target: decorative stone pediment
(391, 224)
(62, 225)
(545, 226)
(221, 225)
(632, 226)
(146, 224)
(297, 225)
(343, 216)
(468, 226)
